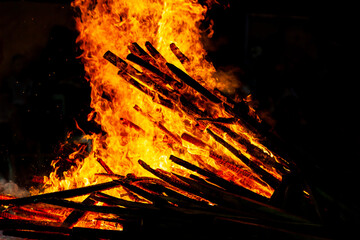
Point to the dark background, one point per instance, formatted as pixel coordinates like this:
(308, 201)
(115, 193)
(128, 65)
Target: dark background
(297, 60)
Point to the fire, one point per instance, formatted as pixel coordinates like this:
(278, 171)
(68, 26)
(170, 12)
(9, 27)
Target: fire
(134, 125)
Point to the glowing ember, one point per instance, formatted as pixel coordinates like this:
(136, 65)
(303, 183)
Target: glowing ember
(137, 125)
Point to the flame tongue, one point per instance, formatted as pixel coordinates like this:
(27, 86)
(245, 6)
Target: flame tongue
(148, 112)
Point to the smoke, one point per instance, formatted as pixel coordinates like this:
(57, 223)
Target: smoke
(228, 79)
(12, 189)
(3, 237)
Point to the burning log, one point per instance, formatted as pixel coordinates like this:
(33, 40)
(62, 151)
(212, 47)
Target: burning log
(167, 177)
(105, 166)
(197, 142)
(267, 177)
(115, 60)
(192, 83)
(168, 79)
(159, 125)
(137, 50)
(228, 99)
(189, 108)
(182, 58)
(154, 52)
(60, 194)
(218, 120)
(155, 97)
(76, 215)
(252, 149)
(213, 178)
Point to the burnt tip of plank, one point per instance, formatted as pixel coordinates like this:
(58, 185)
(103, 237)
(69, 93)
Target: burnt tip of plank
(115, 60)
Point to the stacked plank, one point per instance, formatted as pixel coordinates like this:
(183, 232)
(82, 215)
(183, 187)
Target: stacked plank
(170, 206)
(199, 205)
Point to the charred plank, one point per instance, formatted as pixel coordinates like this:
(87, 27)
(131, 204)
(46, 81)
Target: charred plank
(61, 194)
(192, 83)
(267, 177)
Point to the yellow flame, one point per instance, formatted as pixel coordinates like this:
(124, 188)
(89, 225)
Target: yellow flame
(113, 25)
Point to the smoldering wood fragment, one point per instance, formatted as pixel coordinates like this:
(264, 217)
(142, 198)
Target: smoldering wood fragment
(193, 83)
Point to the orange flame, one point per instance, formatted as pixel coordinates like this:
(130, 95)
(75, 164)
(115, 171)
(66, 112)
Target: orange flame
(135, 127)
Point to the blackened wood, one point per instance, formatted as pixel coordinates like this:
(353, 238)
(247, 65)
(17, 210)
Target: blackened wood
(111, 200)
(155, 97)
(218, 120)
(41, 230)
(105, 166)
(215, 179)
(252, 149)
(28, 211)
(140, 52)
(192, 83)
(61, 194)
(31, 225)
(191, 109)
(191, 139)
(182, 58)
(115, 60)
(137, 85)
(190, 166)
(76, 215)
(137, 50)
(228, 98)
(174, 136)
(117, 176)
(123, 212)
(167, 79)
(153, 198)
(267, 177)
(121, 64)
(162, 174)
(212, 177)
(152, 50)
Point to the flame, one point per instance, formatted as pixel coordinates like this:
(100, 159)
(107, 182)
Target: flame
(134, 126)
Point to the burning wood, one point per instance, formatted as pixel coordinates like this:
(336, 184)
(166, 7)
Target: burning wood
(225, 175)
